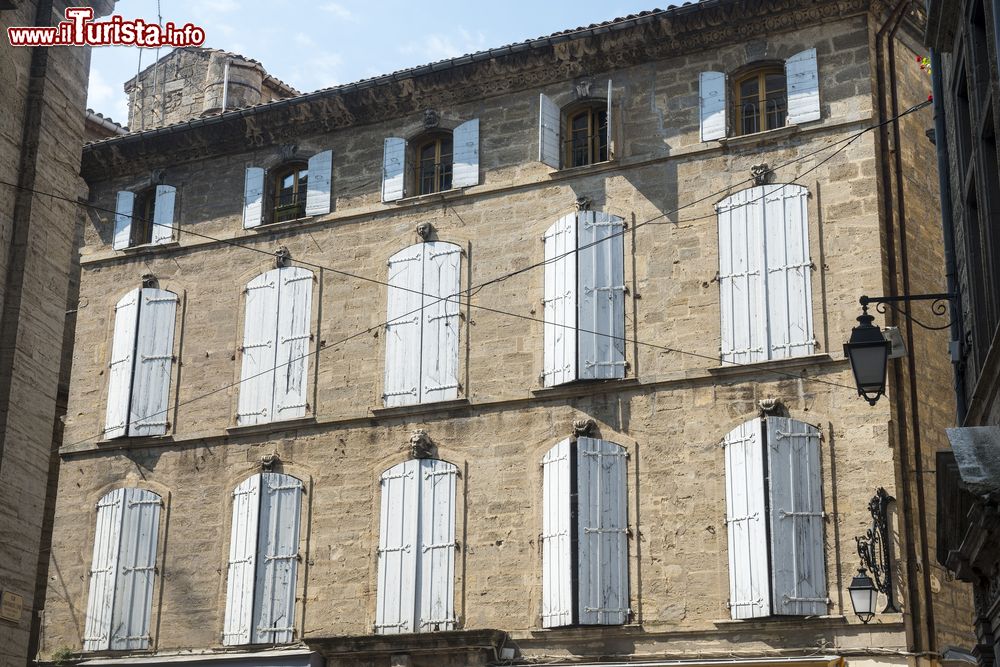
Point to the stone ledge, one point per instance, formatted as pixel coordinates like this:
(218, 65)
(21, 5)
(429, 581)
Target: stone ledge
(586, 388)
(774, 364)
(282, 425)
(422, 408)
(477, 646)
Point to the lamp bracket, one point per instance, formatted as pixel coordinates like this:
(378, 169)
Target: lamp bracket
(938, 307)
(875, 548)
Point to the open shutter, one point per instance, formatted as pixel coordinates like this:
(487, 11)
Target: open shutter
(746, 522)
(104, 571)
(712, 98)
(253, 197)
(609, 138)
(436, 565)
(124, 207)
(557, 560)
(403, 327)
(137, 570)
(786, 248)
(320, 176)
(242, 563)
(602, 526)
(260, 325)
(277, 558)
(601, 296)
(548, 131)
(798, 566)
(295, 287)
(121, 365)
(398, 549)
(441, 324)
(163, 214)
(465, 169)
(559, 302)
(802, 80)
(741, 279)
(393, 168)
(154, 350)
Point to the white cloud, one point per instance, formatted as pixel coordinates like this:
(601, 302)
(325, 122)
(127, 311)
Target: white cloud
(340, 11)
(321, 69)
(439, 47)
(107, 99)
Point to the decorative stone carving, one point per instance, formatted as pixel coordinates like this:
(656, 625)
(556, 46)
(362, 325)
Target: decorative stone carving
(268, 461)
(761, 174)
(424, 230)
(149, 280)
(421, 445)
(583, 203)
(583, 87)
(288, 152)
(431, 118)
(281, 257)
(769, 406)
(584, 427)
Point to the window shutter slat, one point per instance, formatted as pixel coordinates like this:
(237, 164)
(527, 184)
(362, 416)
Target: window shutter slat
(609, 138)
(259, 354)
(712, 98)
(137, 570)
(789, 296)
(277, 559)
(602, 523)
(559, 304)
(397, 549)
(163, 214)
(548, 131)
(242, 563)
(121, 365)
(295, 287)
(741, 278)
(802, 80)
(601, 296)
(318, 195)
(124, 207)
(746, 521)
(798, 566)
(437, 545)
(465, 169)
(154, 350)
(253, 197)
(557, 562)
(403, 327)
(442, 263)
(393, 169)
(103, 572)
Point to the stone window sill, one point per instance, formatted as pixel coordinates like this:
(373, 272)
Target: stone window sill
(758, 137)
(421, 408)
(773, 364)
(596, 167)
(280, 226)
(583, 387)
(272, 426)
(453, 193)
(777, 620)
(149, 247)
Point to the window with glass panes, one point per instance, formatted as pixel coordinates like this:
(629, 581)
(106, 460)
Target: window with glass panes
(761, 100)
(433, 164)
(290, 188)
(586, 136)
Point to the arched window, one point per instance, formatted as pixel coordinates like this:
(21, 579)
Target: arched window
(144, 217)
(432, 163)
(586, 136)
(290, 190)
(435, 161)
(761, 100)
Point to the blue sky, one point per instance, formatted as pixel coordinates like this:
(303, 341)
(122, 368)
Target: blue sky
(315, 45)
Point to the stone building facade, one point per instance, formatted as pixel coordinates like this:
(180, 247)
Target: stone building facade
(528, 356)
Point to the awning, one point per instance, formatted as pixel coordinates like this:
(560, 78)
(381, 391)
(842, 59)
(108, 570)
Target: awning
(298, 657)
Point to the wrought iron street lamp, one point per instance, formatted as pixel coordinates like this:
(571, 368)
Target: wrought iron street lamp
(863, 595)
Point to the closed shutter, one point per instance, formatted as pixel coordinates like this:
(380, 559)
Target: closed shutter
(154, 351)
(124, 207)
(442, 263)
(802, 81)
(548, 132)
(609, 138)
(712, 98)
(436, 562)
(393, 168)
(259, 350)
(798, 565)
(403, 327)
(163, 214)
(398, 549)
(320, 176)
(602, 525)
(559, 302)
(741, 279)
(121, 365)
(746, 521)
(789, 268)
(557, 561)
(277, 558)
(104, 572)
(601, 296)
(465, 169)
(242, 563)
(137, 570)
(295, 286)
(253, 197)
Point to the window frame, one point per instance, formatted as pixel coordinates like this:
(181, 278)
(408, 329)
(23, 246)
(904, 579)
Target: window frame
(598, 148)
(760, 72)
(443, 163)
(299, 192)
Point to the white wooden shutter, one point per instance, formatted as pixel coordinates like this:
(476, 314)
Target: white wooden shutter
(610, 129)
(393, 169)
(163, 214)
(320, 176)
(260, 326)
(295, 287)
(559, 302)
(277, 559)
(436, 562)
(548, 131)
(802, 81)
(104, 571)
(398, 548)
(798, 565)
(137, 570)
(442, 265)
(121, 365)
(602, 526)
(253, 197)
(746, 521)
(557, 560)
(154, 351)
(741, 277)
(786, 250)
(124, 208)
(403, 327)
(600, 295)
(242, 563)
(465, 168)
(712, 97)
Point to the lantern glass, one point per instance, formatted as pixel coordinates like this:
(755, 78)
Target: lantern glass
(868, 352)
(864, 596)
